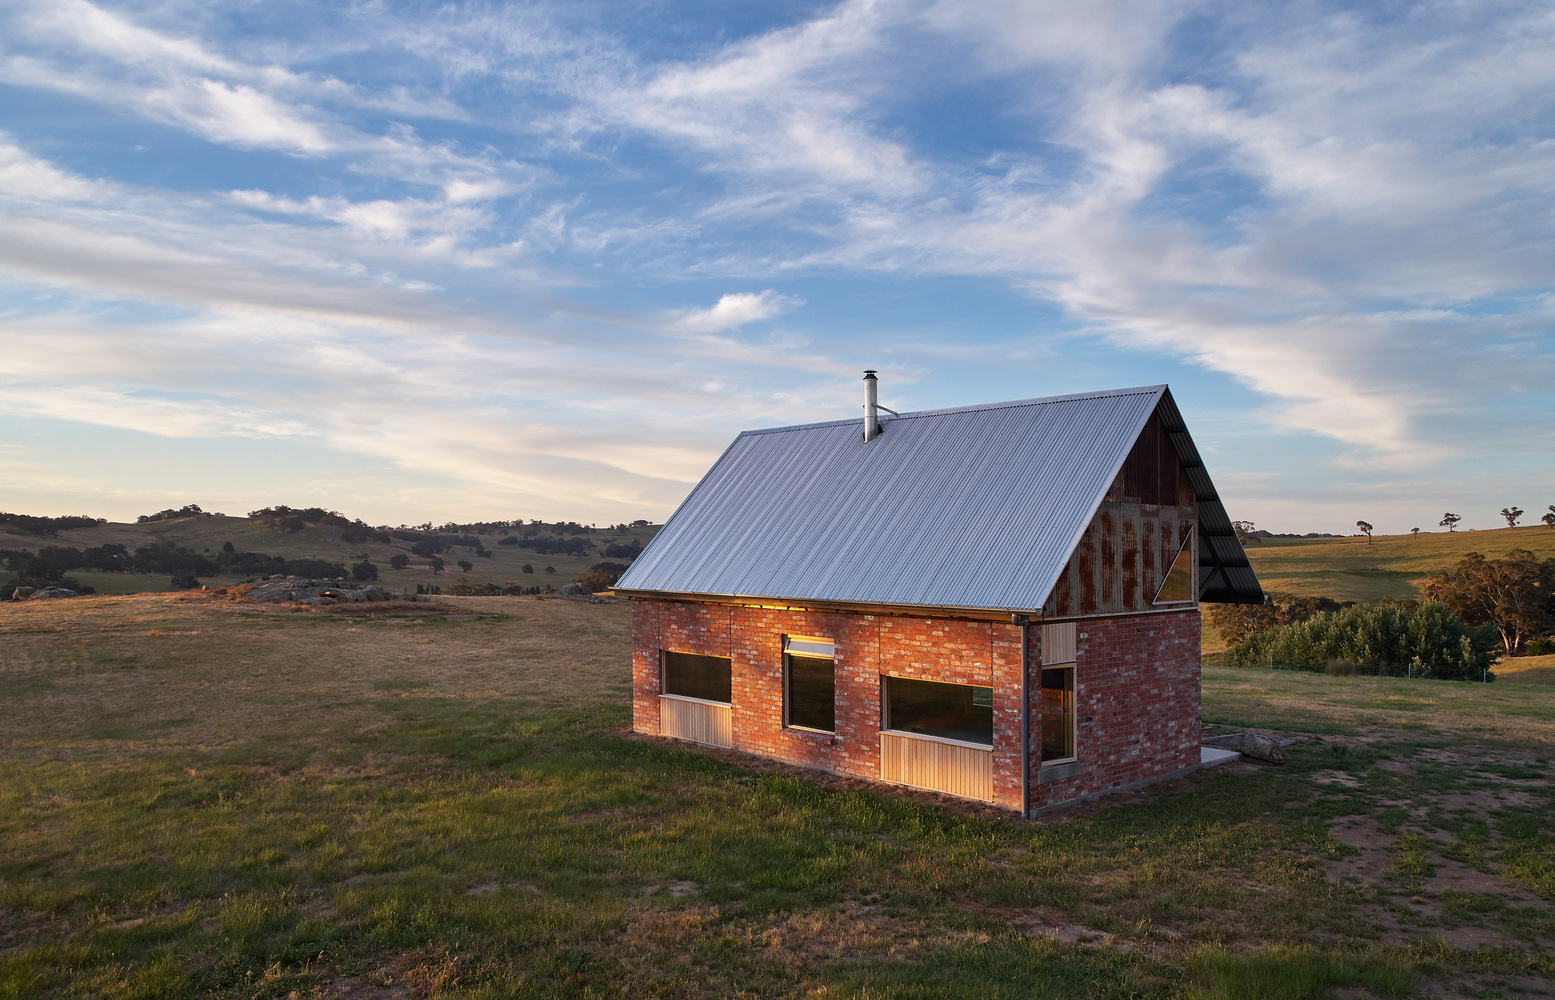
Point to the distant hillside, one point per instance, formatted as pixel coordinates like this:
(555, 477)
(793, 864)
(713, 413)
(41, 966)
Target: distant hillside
(570, 549)
(1348, 569)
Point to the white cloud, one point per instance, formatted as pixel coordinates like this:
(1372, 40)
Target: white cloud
(732, 310)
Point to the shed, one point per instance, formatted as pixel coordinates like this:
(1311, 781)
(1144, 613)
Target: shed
(996, 601)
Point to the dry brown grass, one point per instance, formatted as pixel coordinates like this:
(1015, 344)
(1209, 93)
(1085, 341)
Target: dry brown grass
(108, 676)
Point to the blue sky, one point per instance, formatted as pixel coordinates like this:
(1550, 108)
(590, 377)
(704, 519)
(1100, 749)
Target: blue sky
(455, 261)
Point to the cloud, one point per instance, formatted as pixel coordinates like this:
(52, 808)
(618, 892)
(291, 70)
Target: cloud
(733, 310)
(1345, 211)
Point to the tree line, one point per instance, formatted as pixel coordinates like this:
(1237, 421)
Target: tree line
(50, 565)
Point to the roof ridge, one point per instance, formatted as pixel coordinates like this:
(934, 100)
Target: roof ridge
(974, 408)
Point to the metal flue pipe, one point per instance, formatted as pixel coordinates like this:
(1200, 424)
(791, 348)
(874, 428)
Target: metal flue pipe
(871, 406)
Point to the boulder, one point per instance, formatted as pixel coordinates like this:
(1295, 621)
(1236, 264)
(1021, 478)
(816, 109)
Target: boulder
(1258, 746)
(49, 592)
(22, 593)
(574, 590)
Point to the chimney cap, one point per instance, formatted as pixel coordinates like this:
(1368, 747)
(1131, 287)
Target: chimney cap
(869, 373)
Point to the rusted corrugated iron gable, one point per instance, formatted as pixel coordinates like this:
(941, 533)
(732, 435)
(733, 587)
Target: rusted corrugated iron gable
(1135, 535)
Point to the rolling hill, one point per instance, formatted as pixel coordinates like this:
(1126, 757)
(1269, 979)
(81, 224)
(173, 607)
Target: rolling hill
(205, 534)
(1350, 569)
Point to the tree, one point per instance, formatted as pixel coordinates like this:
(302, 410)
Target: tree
(551, 570)
(1513, 594)
(600, 576)
(527, 568)
(1244, 535)
(1450, 521)
(1549, 518)
(227, 547)
(1511, 514)
(1365, 530)
(436, 563)
(399, 560)
(465, 565)
(364, 571)
(1415, 532)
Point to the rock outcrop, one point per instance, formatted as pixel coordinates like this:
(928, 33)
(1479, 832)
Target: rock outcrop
(46, 593)
(305, 590)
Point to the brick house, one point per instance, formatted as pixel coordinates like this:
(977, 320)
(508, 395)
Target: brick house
(999, 602)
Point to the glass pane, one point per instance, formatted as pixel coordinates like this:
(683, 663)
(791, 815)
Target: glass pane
(810, 646)
(692, 676)
(953, 711)
(1178, 585)
(812, 687)
(1058, 713)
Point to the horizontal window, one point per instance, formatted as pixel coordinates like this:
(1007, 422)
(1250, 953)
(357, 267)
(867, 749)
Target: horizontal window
(932, 708)
(691, 675)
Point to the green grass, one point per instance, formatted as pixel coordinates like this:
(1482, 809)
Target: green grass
(474, 820)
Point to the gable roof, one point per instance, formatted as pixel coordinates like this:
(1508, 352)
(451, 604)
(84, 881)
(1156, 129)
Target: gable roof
(977, 507)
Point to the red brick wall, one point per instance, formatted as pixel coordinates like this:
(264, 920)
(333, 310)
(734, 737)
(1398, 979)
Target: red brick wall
(1137, 682)
(1136, 702)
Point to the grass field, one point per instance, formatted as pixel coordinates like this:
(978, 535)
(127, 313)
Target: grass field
(1349, 569)
(198, 798)
(206, 534)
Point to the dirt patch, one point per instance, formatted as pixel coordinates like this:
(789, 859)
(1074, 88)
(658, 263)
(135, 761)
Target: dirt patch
(1374, 859)
(1459, 877)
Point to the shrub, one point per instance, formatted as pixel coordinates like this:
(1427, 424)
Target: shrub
(1236, 622)
(1542, 646)
(185, 581)
(1427, 641)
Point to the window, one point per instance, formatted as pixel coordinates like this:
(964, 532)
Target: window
(690, 675)
(810, 683)
(1178, 585)
(931, 708)
(1057, 714)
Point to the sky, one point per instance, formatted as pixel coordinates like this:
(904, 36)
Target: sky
(469, 261)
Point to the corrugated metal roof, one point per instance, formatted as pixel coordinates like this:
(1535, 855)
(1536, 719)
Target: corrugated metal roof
(977, 507)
